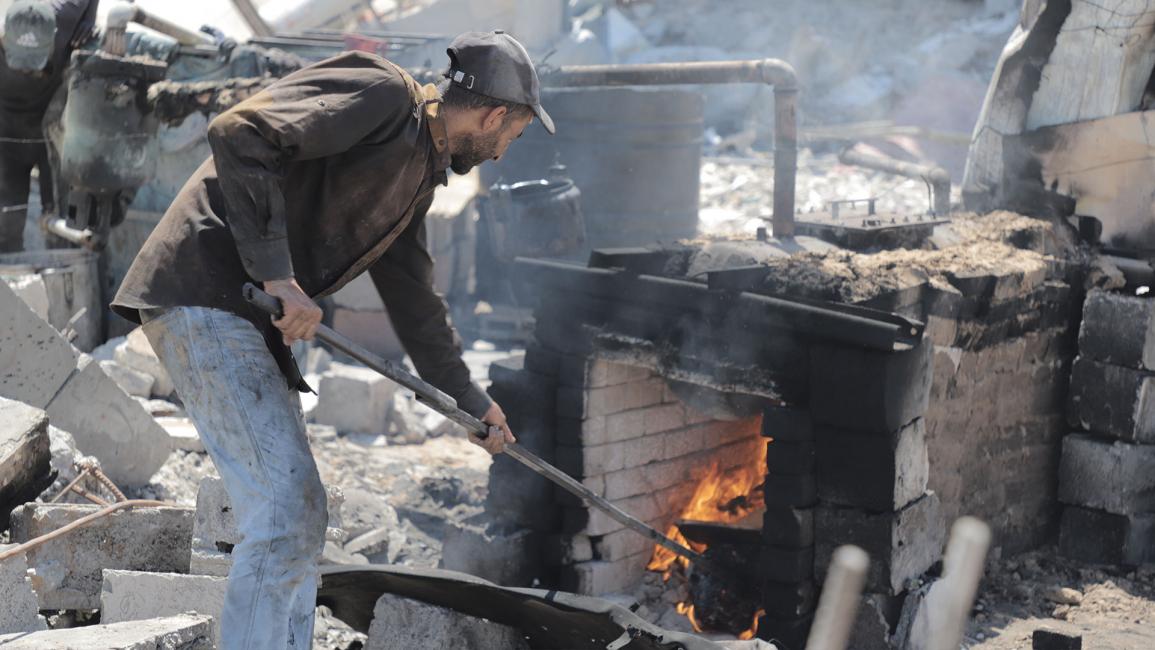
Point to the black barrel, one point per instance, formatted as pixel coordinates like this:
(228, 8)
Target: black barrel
(634, 153)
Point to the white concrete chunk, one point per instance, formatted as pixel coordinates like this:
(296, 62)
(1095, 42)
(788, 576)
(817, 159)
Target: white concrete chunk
(130, 380)
(184, 632)
(67, 570)
(32, 290)
(136, 353)
(19, 611)
(140, 595)
(404, 624)
(354, 399)
(110, 425)
(182, 433)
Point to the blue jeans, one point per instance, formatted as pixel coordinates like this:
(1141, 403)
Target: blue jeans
(252, 426)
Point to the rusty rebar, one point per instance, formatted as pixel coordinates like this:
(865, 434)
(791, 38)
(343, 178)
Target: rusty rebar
(773, 72)
(100, 476)
(79, 523)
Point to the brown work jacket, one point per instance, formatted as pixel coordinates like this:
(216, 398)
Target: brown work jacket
(323, 175)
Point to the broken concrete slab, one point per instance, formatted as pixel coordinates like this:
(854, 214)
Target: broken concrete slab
(109, 424)
(404, 624)
(354, 399)
(35, 360)
(1105, 475)
(184, 632)
(1118, 329)
(141, 595)
(130, 380)
(25, 461)
(20, 611)
(67, 570)
(136, 353)
(214, 528)
(902, 545)
(1113, 400)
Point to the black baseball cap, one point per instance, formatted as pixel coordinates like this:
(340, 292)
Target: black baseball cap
(29, 35)
(494, 64)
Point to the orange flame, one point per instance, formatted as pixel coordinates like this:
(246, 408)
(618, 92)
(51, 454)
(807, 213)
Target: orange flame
(723, 496)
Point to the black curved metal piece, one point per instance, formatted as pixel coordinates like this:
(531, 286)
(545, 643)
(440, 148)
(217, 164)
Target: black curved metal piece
(549, 620)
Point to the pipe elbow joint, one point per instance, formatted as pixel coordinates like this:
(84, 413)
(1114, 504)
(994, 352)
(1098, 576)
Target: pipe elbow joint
(780, 74)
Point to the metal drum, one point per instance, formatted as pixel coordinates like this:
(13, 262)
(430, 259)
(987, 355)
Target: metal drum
(635, 154)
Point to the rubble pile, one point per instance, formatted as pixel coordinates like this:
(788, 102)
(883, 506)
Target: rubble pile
(737, 193)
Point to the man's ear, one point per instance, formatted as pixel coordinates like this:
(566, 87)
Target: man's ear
(494, 118)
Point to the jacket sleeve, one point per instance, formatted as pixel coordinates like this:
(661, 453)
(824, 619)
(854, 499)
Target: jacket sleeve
(404, 278)
(314, 113)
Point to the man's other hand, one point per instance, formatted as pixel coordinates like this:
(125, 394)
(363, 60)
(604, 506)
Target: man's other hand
(300, 315)
(499, 433)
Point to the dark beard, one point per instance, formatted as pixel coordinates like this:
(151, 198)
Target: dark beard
(474, 150)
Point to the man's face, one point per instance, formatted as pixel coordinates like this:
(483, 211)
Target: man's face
(475, 148)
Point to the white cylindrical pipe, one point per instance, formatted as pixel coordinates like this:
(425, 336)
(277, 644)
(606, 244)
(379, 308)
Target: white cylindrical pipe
(962, 569)
(838, 606)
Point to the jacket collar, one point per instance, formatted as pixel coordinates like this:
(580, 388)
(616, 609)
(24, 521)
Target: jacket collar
(437, 131)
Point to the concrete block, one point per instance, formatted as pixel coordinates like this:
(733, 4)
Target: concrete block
(1111, 476)
(1044, 639)
(25, 460)
(1113, 400)
(786, 491)
(131, 381)
(404, 624)
(787, 424)
(214, 527)
(68, 569)
(35, 360)
(600, 577)
(140, 595)
(184, 632)
(136, 353)
(1118, 329)
(789, 599)
(182, 434)
(1100, 537)
(110, 425)
(784, 457)
(902, 545)
(508, 558)
(354, 399)
(876, 472)
(20, 611)
(867, 389)
(782, 564)
(788, 527)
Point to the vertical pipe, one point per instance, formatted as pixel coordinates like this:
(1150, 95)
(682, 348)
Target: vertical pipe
(785, 159)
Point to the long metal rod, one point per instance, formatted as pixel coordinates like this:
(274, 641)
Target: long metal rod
(447, 406)
(773, 72)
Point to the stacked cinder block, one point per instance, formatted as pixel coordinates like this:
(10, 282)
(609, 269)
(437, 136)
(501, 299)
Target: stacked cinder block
(866, 426)
(1105, 476)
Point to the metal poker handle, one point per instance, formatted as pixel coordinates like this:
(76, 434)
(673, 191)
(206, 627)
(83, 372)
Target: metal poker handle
(447, 406)
(424, 391)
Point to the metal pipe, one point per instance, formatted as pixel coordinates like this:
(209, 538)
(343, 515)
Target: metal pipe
(116, 22)
(773, 72)
(937, 177)
(61, 229)
(253, 18)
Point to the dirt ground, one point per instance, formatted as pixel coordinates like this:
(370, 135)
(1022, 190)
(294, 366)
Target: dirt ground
(1111, 607)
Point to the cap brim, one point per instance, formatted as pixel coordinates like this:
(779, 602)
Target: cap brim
(546, 120)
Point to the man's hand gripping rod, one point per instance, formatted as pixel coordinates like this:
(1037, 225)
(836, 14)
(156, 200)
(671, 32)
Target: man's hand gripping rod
(447, 406)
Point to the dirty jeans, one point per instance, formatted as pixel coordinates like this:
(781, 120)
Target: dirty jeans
(252, 426)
